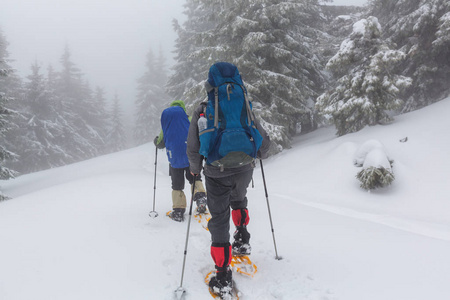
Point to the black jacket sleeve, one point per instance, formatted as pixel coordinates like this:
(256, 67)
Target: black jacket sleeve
(193, 143)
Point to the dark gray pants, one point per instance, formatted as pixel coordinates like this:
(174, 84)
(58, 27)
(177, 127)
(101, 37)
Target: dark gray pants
(178, 174)
(223, 193)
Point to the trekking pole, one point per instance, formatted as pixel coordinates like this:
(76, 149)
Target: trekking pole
(180, 290)
(153, 213)
(270, 215)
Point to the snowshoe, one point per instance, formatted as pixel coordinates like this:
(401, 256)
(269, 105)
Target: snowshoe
(203, 219)
(241, 244)
(177, 214)
(200, 200)
(221, 285)
(243, 265)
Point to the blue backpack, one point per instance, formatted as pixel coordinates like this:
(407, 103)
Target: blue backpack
(231, 138)
(175, 126)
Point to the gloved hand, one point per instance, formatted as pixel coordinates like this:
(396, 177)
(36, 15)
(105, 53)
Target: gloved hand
(261, 155)
(161, 145)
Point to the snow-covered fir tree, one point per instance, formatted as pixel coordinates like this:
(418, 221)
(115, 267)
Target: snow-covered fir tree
(5, 112)
(192, 58)
(338, 25)
(37, 126)
(95, 117)
(367, 88)
(275, 42)
(271, 42)
(116, 139)
(421, 29)
(102, 117)
(151, 98)
(58, 121)
(81, 138)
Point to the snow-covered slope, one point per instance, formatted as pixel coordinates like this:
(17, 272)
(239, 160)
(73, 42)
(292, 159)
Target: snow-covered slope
(83, 231)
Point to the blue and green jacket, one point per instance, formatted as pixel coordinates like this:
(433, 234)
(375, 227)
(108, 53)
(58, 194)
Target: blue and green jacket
(175, 126)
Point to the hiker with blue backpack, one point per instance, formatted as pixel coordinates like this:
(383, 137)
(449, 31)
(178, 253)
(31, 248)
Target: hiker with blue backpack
(175, 125)
(225, 133)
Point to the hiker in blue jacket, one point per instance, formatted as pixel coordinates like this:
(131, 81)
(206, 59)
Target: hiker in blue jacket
(173, 136)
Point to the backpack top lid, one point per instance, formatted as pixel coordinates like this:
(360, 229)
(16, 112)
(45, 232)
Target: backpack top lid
(223, 72)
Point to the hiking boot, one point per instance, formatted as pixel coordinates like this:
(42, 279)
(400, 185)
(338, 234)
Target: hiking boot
(222, 283)
(200, 200)
(177, 214)
(241, 244)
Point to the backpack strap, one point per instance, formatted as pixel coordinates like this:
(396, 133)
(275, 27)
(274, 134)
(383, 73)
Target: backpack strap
(216, 107)
(250, 117)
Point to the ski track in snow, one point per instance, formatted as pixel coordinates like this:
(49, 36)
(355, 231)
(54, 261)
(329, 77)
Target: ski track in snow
(428, 229)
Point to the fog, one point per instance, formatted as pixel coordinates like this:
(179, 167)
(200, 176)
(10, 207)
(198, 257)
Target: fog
(108, 39)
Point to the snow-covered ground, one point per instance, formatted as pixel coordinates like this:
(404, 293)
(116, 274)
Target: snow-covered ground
(83, 231)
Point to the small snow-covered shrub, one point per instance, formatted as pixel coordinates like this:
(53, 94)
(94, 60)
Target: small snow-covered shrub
(361, 153)
(3, 197)
(377, 167)
(373, 178)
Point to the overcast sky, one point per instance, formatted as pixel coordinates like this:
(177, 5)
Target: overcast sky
(108, 39)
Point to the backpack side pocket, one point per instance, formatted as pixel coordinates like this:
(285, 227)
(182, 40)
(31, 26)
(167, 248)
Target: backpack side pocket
(205, 141)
